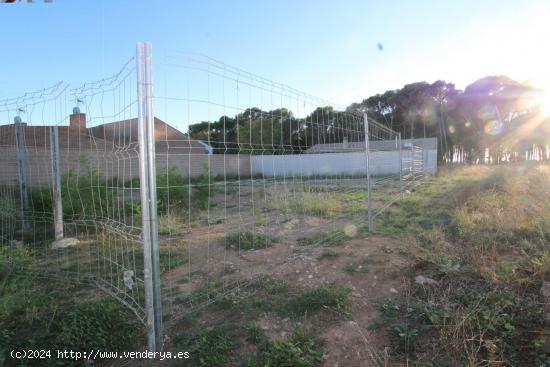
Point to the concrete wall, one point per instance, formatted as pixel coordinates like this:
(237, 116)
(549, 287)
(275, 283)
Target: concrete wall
(123, 164)
(196, 165)
(337, 163)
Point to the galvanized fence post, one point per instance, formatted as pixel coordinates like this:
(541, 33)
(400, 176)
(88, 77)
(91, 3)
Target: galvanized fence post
(400, 166)
(367, 151)
(412, 164)
(22, 165)
(56, 183)
(147, 178)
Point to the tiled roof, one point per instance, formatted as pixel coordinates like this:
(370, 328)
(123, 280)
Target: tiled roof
(111, 136)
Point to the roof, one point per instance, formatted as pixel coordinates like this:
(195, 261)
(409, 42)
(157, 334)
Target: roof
(109, 137)
(39, 137)
(374, 145)
(168, 140)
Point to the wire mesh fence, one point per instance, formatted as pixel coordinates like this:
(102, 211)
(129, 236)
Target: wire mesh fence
(170, 200)
(69, 190)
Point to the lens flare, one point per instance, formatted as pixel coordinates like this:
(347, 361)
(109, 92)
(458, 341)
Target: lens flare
(487, 113)
(545, 105)
(350, 230)
(493, 127)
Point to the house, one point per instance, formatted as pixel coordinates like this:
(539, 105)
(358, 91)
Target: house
(113, 135)
(110, 149)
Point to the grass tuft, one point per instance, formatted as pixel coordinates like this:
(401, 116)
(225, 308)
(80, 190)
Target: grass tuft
(327, 296)
(248, 241)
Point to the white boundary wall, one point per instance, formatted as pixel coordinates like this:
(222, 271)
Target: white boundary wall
(325, 164)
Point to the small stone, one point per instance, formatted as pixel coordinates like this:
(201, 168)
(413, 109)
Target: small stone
(300, 279)
(310, 276)
(393, 290)
(420, 279)
(129, 279)
(64, 242)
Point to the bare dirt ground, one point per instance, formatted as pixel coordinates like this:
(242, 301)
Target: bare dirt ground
(369, 266)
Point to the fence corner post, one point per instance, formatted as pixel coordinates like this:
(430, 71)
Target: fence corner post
(148, 194)
(56, 183)
(367, 152)
(23, 183)
(400, 166)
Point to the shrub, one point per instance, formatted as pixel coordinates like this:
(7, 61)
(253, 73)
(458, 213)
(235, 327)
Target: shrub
(176, 193)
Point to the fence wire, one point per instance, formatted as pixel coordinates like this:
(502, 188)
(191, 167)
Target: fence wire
(263, 173)
(249, 175)
(93, 130)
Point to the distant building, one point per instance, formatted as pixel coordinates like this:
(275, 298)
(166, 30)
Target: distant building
(109, 136)
(374, 145)
(110, 149)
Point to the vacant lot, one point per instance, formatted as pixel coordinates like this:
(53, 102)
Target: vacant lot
(452, 276)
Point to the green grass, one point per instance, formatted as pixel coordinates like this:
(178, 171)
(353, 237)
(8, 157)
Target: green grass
(211, 349)
(328, 253)
(309, 203)
(482, 233)
(248, 241)
(332, 297)
(219, 347)
(297, 351)
(335, 238)
(237, 340)
(37, 314)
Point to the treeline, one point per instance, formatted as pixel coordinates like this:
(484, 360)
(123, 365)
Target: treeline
(278, 131)
(494, 117)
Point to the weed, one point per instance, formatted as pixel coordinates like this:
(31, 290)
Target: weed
(316, 204)
(254, 334)
(336, 238)
(171, 224)
(260, 217)
(328, 253)
(388, 308)
(298, 351)
(44, 317)
(212, 348)
(327, 296)
(247, 241)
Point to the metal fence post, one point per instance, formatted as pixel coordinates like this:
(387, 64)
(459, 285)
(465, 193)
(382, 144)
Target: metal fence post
(400, 166)
(22, 165)
(367, 151)
(56, 183)
(147, 178)
(413, 155)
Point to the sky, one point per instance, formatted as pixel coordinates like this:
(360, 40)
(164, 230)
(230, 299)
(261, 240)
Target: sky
(326, 48)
